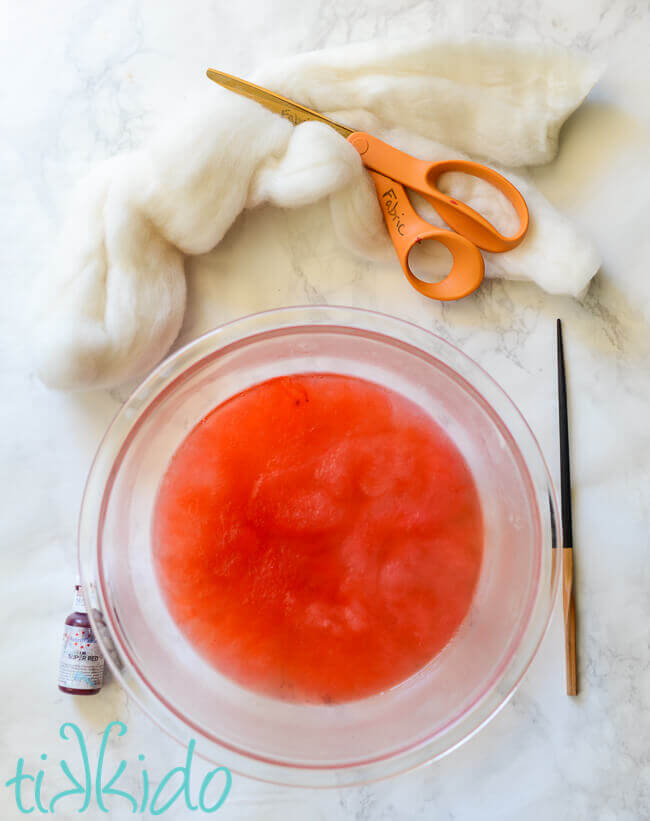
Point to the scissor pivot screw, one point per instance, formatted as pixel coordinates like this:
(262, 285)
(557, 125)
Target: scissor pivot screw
(360, 143)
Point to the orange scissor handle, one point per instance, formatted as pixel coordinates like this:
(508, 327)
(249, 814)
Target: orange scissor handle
(422, 176)
(468, 222)
(407, 228)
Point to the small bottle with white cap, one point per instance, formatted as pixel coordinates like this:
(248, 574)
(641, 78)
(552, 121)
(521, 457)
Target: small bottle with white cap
(81, 668)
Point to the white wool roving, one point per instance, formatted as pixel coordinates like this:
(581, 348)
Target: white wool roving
(113, 303)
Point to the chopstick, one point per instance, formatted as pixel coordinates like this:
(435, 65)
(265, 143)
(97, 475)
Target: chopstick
(568, 596)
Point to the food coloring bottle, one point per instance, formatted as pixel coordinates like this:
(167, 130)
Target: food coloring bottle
(81, 669)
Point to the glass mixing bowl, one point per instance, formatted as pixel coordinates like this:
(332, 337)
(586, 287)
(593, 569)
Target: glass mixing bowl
(425, 716)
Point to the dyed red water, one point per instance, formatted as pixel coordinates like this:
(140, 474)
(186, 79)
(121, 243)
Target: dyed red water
(318, 538)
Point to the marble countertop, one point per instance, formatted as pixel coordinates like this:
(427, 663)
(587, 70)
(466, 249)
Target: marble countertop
(83, 80)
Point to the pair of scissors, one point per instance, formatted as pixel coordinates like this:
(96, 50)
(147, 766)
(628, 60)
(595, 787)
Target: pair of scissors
(393, 172)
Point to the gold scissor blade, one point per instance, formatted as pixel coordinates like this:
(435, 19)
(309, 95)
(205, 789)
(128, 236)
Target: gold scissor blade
(294, 112)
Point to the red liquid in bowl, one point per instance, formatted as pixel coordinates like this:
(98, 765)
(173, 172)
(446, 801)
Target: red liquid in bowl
(318, 538)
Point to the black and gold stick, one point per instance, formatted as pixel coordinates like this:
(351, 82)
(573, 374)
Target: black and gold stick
(568, 596)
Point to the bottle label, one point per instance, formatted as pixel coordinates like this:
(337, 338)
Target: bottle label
(79, 604)
(82, 663)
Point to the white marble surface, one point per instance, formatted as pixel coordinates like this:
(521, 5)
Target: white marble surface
(81, 80)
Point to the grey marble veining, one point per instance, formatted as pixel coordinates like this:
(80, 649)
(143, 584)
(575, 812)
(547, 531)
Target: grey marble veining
(80, 81)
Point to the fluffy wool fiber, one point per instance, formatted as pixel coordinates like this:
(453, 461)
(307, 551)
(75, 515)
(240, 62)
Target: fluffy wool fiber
(114, 302)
